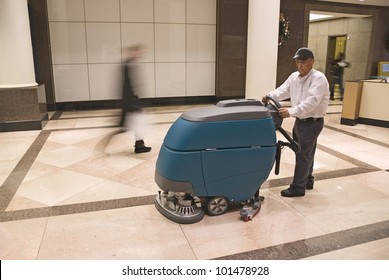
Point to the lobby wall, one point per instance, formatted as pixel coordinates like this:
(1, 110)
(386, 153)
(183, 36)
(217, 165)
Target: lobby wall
(231, 43)
(88, 38)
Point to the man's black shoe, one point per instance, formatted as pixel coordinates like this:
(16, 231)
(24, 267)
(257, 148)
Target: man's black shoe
(309, 187)
(291, 193)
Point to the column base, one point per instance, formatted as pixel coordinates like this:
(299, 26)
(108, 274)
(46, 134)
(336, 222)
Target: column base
(350, 122)
(23, 108)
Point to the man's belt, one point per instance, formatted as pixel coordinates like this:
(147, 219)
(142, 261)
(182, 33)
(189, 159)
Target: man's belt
(310, 119)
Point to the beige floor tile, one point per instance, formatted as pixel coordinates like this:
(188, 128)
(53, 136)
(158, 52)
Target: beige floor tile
(359, 149)
(96, 122)
(21, 240)
(341, 203)
(65, 156)
(378, 157)
(107, 190)
(54, 188)
(276, 223)
(89, 113)
(60, 124)
(130, 233)
(376, 180)
(74, 137)
(15, 144)
(106, 166)
(39, 169)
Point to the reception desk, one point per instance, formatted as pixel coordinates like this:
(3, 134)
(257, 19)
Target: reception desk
(366, 102)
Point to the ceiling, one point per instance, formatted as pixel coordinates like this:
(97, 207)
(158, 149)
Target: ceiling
(362, 2)
(320, 15)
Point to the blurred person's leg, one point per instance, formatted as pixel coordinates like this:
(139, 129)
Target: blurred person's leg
(138, 123)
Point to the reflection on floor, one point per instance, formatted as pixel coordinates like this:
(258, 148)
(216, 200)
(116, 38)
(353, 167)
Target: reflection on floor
(66, 193)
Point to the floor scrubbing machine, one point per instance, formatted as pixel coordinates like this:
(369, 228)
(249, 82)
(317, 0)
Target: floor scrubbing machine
(216, 156)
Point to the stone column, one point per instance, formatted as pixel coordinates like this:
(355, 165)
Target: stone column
(262, 47)
(22, 101)
(17, 64)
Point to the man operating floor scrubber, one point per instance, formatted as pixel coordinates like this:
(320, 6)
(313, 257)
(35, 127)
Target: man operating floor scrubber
(217, 156)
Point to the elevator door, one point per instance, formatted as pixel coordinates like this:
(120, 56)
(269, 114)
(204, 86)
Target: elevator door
(336, 45)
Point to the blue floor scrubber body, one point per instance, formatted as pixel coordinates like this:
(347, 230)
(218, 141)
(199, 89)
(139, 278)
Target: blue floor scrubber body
(214, 156)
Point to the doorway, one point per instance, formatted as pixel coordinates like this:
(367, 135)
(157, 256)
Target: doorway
(336, 45)
(325, 23)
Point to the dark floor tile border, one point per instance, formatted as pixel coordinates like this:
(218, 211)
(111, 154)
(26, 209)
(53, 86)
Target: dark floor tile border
(56, 116)
(316, 245)
(321, 176)
(78, 208)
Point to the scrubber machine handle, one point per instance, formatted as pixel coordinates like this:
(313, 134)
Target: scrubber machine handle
(273, 107)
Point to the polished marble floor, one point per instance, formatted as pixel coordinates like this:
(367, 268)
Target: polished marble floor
(71, 191)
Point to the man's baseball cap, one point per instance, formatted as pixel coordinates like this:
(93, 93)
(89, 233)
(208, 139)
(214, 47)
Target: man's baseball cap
(303, 54)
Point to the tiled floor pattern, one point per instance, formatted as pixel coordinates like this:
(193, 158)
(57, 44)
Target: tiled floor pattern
(67, 192)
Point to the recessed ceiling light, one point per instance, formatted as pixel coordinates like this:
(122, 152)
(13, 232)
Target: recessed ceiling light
(319, 16)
